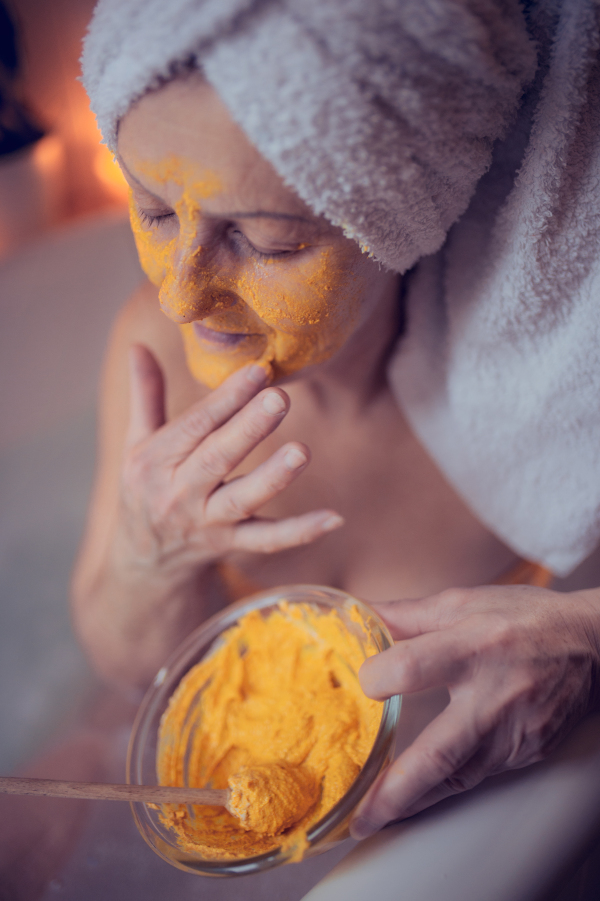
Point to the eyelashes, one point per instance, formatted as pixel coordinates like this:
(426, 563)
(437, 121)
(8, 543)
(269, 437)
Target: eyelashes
(242, 246)
(240, 241)
(149, 220)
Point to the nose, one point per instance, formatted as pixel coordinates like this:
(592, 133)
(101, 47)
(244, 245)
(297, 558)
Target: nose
(190, 289)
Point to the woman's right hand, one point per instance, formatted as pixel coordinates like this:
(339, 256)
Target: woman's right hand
(178, 512)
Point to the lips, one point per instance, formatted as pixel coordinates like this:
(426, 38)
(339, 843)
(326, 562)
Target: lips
(220, 339)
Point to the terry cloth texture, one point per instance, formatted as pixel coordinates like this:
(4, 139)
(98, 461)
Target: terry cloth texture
(500, 372)
(355, 102)
(385, 116)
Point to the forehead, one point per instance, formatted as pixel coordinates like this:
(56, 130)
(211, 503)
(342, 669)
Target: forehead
(186, 120)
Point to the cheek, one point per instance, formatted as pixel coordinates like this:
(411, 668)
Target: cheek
(312, 308)
(156, 256)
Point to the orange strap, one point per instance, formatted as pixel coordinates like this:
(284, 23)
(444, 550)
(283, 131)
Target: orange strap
(237, 585)
(526, 573)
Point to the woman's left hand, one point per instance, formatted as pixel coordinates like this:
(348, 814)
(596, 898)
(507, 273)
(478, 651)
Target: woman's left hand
(521, 665)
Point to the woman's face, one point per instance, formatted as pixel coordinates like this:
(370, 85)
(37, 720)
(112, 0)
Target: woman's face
(243, 266)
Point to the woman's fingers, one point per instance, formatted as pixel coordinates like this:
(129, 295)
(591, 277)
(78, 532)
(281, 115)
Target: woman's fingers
(408, 617)
(414, 616)
(427, 661)
(146, 394)
(179, 438)
(263, 536)
(175, 478)
(225, 448)
(428, 768)
(241, 498)
(518, 666)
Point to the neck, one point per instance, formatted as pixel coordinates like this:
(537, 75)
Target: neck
(356, 376)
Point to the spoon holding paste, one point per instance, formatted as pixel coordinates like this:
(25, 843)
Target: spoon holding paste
(271, 797)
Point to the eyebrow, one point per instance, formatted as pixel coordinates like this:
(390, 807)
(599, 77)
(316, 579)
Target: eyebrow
(258, 214)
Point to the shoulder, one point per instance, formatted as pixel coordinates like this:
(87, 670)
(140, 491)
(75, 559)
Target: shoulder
(141, 321)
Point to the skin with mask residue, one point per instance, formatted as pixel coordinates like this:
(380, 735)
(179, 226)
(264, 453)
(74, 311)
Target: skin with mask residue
(284, 317)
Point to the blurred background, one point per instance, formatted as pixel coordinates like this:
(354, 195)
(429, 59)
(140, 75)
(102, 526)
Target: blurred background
(54, 168)
(67, 263)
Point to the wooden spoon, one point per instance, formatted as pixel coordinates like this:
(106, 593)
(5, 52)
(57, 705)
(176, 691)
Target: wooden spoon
(100, 791)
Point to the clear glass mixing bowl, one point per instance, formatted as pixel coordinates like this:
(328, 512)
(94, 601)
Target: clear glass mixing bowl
(141, 758)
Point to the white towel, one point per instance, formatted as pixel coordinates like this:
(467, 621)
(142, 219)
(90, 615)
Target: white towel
(355, 102)
(383, 115)
(500, 372)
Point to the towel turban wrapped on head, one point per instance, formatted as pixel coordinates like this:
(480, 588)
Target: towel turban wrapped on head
(355, 102)
(459, 133)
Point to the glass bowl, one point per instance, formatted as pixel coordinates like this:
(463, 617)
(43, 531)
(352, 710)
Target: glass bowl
(141, 757)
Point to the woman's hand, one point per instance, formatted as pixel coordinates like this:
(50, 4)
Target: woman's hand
(176, 515)
(521, 665)
(178, 511)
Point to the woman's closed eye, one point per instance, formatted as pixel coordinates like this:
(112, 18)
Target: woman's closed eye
(263, 247)
(262, 250)
(150, 209)
(151, 219)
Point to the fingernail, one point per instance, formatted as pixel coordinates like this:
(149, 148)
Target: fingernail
(257, 375)
(362, 828)
(273, 403)
(294, 458)
(332, 522)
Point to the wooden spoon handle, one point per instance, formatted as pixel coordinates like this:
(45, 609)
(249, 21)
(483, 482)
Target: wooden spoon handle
(157, 794)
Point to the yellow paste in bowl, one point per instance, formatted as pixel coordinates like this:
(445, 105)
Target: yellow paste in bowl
(275, 713)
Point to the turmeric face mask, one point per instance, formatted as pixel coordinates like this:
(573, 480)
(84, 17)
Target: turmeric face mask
(244, 268)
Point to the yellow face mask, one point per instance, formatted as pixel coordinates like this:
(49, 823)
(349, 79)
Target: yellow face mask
(234, 301)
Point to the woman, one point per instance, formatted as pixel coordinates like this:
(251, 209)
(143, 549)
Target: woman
(384, 118)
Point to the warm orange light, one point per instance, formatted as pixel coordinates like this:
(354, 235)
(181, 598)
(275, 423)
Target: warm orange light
(49, 156)
(108, 173)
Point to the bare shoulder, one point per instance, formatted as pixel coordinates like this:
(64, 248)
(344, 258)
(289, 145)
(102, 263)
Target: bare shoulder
(139, 321)
(142, 321)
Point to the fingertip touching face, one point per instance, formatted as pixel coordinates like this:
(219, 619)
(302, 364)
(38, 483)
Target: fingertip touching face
(244, 267)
